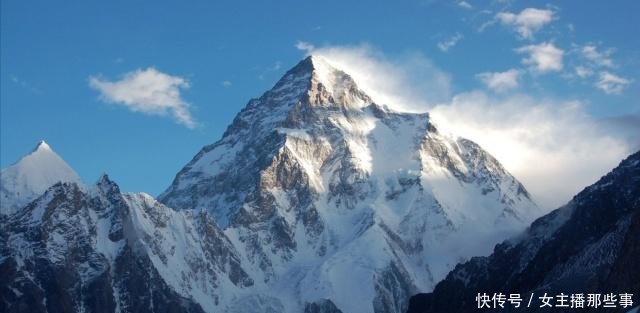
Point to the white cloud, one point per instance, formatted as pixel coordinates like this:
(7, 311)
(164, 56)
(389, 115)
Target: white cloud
(611, 83)
(445, 45)
(527, 22)
(500, 81)
(304, 46)
(583, 72)
(465, 5)
(409, 83)
(226, 84)
(553, 147)
(485, 25)
(599, 60)
(591, 53)
(147, 91)
(544, 57)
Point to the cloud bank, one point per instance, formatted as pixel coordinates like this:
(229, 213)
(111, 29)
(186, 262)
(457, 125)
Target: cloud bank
(553, 146)
(147, 91)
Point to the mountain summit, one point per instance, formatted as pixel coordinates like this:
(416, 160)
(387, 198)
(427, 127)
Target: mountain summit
(330, 196)
(27, 179)
(316, 199)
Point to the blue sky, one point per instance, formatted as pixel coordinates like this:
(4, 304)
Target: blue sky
(227, 52)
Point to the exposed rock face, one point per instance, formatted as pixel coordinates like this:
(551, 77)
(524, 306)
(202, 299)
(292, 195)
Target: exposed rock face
(590, 245)
(94, 249)
(329, 195)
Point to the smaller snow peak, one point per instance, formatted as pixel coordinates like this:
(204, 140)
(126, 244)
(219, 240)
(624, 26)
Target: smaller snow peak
(42, 146)
(32, 175)
(43, 149)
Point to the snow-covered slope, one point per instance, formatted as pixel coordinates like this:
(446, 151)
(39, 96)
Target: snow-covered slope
(27, 179)
(94, 249)
(589, 246)
(327, 194)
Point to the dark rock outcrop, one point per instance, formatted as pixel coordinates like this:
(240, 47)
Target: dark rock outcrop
(321, 306)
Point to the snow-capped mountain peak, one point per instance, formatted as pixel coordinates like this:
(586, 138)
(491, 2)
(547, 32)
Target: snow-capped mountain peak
(339, 87)
(315, 82)
(315, 199)
(42, 145)
(31, 176)
(319, 186)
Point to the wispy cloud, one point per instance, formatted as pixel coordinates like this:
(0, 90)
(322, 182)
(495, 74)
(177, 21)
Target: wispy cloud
(500, 81)
(595, 65)
(591, 53)
(147, 91)
(304, 46)
(543, 57)
(611, 83)
(527, 22)
(447, 44)
(465, 5)
(583, 72)
(226, 84)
